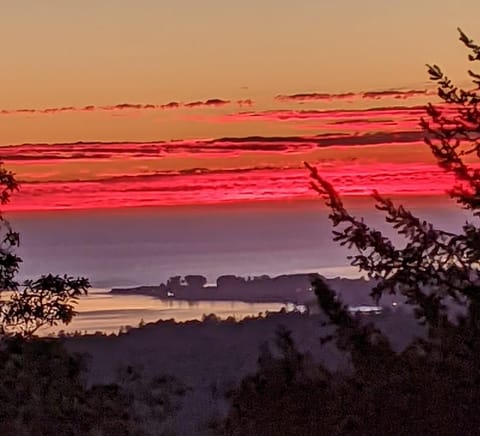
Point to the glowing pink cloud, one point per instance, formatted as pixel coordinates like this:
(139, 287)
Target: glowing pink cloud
(387, 143)
(354, 121)
(209, 187)
(90, 151)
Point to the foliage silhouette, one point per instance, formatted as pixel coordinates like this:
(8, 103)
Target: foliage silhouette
(432, 386)
(43, 392)
(46, 301)
(43, 388)
(49, 300)
(150, 399)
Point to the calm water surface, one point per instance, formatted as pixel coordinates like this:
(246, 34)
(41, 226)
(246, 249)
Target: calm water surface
(100, 311)
(132, 247)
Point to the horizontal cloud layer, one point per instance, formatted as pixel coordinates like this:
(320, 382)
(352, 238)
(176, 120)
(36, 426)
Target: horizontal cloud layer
(369, 95)
(182, 149)
(213, 102)
(230, 186)
(356, 149)
(333, 115)
(97, 175)
(217, 102)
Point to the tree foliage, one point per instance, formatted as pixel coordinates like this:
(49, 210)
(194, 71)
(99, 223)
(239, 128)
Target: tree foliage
(43, 392)
(433, 386)
(289, 395)
(151, 400)
(43, 388)
(434, 266)
(49, 300)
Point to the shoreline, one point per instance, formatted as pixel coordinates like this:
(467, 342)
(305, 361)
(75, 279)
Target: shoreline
(293, 289)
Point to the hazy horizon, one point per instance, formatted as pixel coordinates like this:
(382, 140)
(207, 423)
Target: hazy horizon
(126, 247)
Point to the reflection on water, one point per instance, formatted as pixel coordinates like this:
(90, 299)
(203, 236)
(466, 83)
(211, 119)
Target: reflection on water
(100, 311)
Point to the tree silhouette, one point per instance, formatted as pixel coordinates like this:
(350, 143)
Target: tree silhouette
(435, 269)
(43, 388)
(43, 392)
(433, 386)
(49, 300)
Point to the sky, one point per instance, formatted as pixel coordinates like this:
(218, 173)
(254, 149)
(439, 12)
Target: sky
(118, 103)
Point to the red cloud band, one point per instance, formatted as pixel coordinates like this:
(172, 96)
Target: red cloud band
(228, 145)
(226, 187)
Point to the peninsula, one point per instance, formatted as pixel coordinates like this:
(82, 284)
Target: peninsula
(287, 288)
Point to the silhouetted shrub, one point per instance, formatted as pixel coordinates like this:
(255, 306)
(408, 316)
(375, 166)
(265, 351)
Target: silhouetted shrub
(43, 392)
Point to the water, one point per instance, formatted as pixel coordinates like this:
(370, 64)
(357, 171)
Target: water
(147, 246)
(101, 312)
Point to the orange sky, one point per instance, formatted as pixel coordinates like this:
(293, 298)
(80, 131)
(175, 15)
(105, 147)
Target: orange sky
(118, 71)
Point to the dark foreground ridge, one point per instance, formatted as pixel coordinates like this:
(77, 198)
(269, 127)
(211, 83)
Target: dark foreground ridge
(211, 357)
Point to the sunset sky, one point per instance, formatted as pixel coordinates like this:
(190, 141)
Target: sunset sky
(118, 103)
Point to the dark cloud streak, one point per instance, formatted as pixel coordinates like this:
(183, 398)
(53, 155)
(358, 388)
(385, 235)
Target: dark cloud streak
(212, 102)
(369, 95)
(288, 144)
